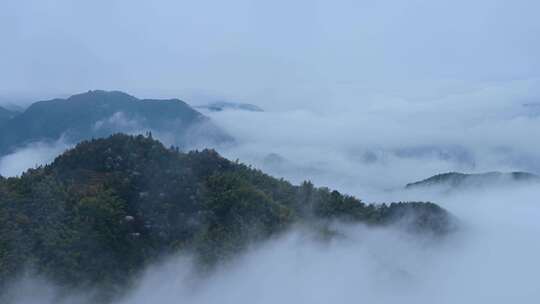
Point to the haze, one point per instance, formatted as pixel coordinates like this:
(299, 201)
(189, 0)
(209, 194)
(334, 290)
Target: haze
(279, 55)
(361, 96)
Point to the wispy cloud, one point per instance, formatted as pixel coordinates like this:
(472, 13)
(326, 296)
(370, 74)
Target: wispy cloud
(31, 156)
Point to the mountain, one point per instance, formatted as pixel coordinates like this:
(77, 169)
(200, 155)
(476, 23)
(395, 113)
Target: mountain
(102, 113)
(224, 105)
(101, 212)
(6, 115)
(455, 180)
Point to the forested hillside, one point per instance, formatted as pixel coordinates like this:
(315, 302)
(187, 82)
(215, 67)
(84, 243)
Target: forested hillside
(104, 210)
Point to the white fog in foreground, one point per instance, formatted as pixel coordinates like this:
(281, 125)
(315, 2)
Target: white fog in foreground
(493, 258)
(361, 96)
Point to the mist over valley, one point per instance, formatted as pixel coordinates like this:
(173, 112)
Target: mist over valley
(249, 152)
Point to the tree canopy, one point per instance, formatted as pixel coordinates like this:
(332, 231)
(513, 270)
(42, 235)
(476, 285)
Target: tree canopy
(104, 210)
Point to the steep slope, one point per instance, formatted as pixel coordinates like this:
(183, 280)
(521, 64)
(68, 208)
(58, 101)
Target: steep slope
(102, 113)
(104, 210)
(5, 115)
(455, 180)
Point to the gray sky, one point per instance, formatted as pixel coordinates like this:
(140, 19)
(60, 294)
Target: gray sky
(361, 95)
(273, 53)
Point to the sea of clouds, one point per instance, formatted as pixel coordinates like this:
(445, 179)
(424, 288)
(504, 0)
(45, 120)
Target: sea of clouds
(360, 96)
(370, 152)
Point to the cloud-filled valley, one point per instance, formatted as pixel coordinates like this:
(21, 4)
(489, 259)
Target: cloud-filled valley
(491, 259)
(370, 153)
(390, 143)
(416, 124)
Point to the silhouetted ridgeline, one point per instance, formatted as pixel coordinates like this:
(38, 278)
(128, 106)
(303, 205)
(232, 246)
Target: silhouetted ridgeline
(5, 115)
(102, 211)
(455, 180)
(224, 105)
(101, 113)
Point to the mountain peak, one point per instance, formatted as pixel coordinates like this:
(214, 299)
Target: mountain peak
(99, 113)
(126, 201)
(96, 94)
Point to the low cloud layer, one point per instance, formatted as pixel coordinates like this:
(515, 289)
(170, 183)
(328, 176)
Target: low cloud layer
(367, 152)
(31, 156)
(200, 135)
(362, 96)
(491, 259)
(371, 147)
(483, 263)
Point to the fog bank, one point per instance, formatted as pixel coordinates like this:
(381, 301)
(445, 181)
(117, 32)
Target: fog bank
(31, 156)
(368, 147)
(491, 259)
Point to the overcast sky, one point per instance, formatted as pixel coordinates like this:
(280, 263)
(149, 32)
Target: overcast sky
(273, 53)
(362, 96)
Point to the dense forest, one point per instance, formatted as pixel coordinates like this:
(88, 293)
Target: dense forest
(101, 212)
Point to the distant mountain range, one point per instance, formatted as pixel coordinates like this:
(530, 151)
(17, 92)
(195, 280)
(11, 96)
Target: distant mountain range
(455, 180)
(101, 113)
(224, 105)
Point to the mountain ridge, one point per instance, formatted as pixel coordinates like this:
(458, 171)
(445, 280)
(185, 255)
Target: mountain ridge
(104, 210)
(460, 180)
(101, 113)
(5, 115)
